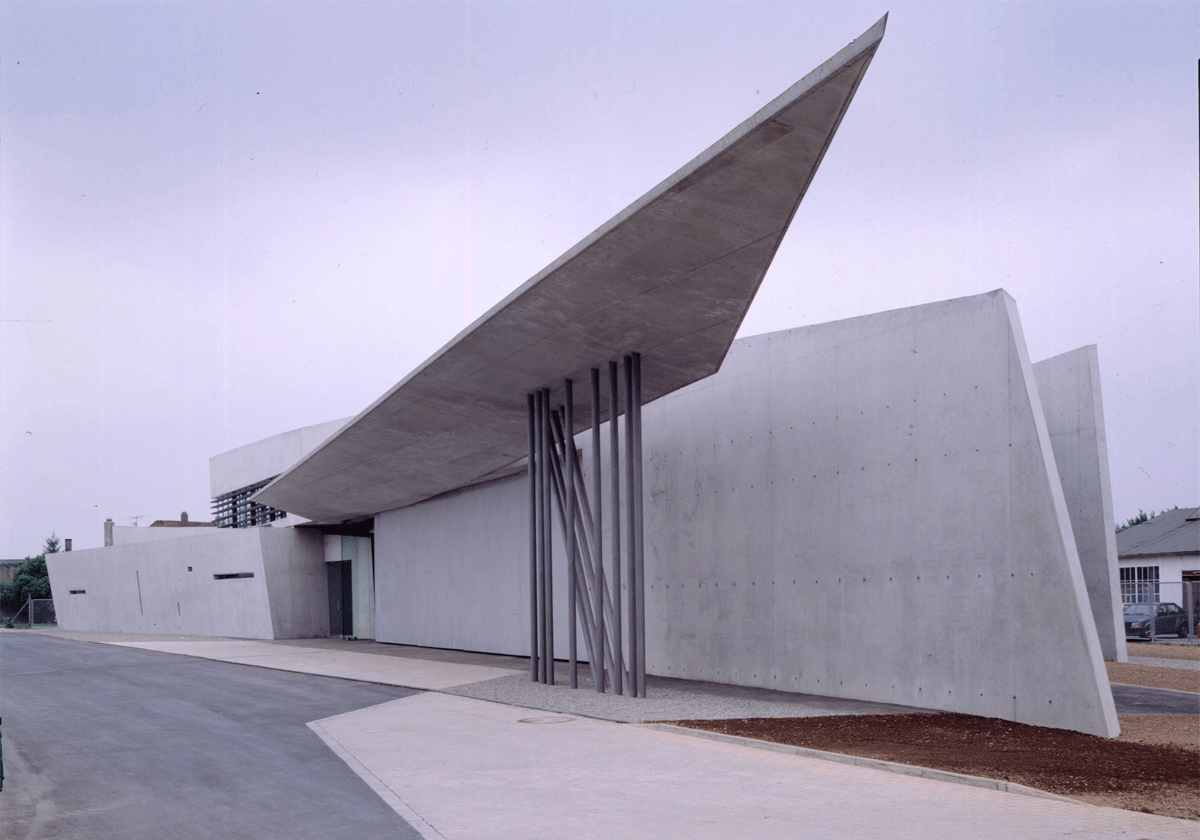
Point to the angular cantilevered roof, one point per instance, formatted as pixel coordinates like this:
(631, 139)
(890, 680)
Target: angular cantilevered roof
(671, 277)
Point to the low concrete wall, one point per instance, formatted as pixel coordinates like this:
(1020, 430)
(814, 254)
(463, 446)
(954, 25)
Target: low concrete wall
(1069, 387)
(168, 586)
(128, 534)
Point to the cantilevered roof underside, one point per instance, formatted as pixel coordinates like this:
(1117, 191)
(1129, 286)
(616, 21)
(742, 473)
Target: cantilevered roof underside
(671, 277)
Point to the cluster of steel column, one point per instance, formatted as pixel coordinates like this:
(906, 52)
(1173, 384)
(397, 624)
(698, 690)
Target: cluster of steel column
(556, 484)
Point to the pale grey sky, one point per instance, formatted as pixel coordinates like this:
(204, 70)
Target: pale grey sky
(223, 221)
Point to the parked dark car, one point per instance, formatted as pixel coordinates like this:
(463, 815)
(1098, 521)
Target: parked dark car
(1169, 620)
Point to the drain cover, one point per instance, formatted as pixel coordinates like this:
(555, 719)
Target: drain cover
(556, 719)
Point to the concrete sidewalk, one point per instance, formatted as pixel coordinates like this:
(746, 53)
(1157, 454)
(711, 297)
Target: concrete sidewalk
(472, 769)
(459, 766)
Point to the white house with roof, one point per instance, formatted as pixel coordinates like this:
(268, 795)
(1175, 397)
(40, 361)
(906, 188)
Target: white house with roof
(1158, 556)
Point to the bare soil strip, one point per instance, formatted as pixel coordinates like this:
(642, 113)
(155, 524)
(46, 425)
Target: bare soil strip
(1155, 771)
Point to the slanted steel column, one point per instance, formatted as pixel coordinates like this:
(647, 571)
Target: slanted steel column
(533, 541)
(634, 410)
(548, 542)
(597, 539)
(614, 472)
(569, 469)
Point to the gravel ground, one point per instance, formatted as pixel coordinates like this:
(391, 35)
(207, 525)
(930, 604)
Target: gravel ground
(1165, 650)
(1183, 664)
(666, 698)
(1153, 676)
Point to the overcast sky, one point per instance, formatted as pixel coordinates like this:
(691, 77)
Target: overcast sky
(224, 221)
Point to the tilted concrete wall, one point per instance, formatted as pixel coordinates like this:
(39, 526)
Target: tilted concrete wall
(1069, 387)
(866, 509)
(147, 587)
(870, 509)
(297, 587)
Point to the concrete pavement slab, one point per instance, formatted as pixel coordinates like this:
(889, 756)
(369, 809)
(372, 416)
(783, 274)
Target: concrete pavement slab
(485, 771)
(388, 670)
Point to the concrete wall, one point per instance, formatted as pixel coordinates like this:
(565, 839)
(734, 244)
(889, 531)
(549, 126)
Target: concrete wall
(128, 534)
(266, 458)
(167, 586)
(297, 587)
(1069, 387)
(870, 509)
(453, 572)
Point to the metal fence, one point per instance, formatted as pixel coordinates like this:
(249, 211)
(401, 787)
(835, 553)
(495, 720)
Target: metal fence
(1162, 611)
(36, 612)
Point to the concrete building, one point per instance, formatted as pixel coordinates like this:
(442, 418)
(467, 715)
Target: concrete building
(236, 580)
(871, 508)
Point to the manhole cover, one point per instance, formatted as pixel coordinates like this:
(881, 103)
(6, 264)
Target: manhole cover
(555, 719)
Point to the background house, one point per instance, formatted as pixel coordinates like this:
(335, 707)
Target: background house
(1157, 557)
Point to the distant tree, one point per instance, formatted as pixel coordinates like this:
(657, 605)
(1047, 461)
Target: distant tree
(31, 581)
(1136, 520)
(10, 601)
(51, 545)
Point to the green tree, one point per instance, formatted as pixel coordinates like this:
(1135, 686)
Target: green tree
(51, 545)
(1136, 520)
(31, 581)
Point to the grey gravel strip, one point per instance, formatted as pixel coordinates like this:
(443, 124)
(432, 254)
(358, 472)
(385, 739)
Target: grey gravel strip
(667, 699)
(871, 763)
(1184, 664)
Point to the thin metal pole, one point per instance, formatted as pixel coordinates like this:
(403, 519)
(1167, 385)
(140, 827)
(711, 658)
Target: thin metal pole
(634, 663)
(639, 555)
(549, 557)
(541, 540)
(614, 472)
(533, 553)
(597, 538)
(572, 606)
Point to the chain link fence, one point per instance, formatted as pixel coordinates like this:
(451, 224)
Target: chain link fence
(1160, 611)
(35, 612)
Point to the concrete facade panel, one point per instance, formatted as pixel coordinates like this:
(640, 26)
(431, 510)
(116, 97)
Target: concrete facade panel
(1060, 690)
(1069, 387)
(297, 587)
(454, 572)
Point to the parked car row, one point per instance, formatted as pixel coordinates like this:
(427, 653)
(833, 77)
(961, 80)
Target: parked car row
(1169, 620)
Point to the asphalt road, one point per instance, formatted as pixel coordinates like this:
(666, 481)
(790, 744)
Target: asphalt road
(112, 742)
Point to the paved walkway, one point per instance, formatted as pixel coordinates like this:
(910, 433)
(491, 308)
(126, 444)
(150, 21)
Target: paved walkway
(461, 767)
